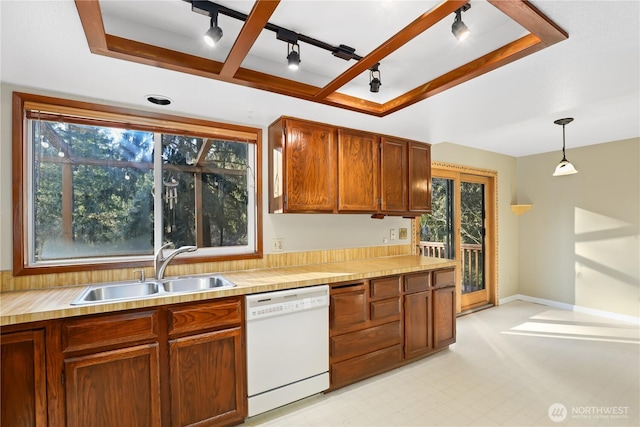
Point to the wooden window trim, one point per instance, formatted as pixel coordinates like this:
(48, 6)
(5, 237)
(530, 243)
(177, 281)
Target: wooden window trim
(98, 114)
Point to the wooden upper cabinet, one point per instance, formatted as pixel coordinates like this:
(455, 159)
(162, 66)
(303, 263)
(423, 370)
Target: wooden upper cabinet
(393, 175)
(302, 162)
(314, 167)
(419, 177)
(358, 155)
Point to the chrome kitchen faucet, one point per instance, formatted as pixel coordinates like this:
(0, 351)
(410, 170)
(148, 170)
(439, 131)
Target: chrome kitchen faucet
(161, 263)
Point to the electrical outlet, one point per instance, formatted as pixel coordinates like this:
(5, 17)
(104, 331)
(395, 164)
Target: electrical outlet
(403, 233)
(277, 245)
(392, 234)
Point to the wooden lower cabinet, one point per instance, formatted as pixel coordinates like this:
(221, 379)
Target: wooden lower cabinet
(417, 324)
(178, 365)
(365, 329)
(379, 324)
(207, 379)
(114, 388)
(353, 370)
(23, 389)
(444, 317)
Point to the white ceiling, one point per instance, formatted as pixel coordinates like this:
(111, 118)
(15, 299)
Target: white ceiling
(594, 76)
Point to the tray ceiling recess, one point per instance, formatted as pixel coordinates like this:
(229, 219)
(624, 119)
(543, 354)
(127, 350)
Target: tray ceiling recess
(412, 42)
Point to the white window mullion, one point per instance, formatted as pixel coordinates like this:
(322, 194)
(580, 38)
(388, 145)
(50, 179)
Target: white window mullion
(157, 192)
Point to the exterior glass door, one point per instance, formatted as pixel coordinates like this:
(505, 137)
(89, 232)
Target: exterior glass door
(457, 229)
(472, 244)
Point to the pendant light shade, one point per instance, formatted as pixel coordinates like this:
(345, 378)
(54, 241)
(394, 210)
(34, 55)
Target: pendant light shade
(565, 167)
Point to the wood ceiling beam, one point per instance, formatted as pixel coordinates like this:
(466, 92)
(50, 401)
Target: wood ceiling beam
(130, 50)
(91, 18)
(499, 57)
(253, 26)
(414, 29)
(534, 21)
(543, 33)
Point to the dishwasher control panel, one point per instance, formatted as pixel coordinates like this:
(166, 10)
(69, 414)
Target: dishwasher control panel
(285, 302)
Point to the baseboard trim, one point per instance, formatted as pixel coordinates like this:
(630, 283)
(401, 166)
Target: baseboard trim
(571, 307)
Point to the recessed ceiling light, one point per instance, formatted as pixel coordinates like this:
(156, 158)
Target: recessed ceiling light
(158, 99)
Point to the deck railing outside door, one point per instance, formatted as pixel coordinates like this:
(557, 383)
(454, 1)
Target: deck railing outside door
(470, 259)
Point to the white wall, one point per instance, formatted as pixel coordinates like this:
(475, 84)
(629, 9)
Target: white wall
(507, 242)
(580, 244)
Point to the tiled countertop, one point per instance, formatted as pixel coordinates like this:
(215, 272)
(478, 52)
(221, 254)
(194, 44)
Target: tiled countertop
(29, 306)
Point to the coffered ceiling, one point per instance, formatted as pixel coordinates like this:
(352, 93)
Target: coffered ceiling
(418, 54)
(593, 75)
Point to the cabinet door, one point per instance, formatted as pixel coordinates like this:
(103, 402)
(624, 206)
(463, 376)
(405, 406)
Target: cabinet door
(358, 160)
(114, 388)
(348, 308)
(419, 177)
(22, 379)
(393, 175)
(207, 379)
(310, 167)
(417, 324)
(444, 316)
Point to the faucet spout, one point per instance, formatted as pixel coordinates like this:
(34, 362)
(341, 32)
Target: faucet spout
(161, 263)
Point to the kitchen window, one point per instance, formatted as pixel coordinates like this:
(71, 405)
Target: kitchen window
(105, 187)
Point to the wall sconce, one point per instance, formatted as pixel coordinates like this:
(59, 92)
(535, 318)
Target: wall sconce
(565, 167)
(459, 29)
(374, 78)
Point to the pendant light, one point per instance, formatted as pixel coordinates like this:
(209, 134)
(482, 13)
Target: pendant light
(565, 167)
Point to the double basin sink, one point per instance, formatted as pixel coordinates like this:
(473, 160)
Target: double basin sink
(129, 291)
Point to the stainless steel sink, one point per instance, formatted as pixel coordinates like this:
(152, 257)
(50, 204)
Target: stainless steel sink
(195, 284)
(122, 291)
(118, 291)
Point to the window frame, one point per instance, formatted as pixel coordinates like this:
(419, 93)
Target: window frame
(106, 115)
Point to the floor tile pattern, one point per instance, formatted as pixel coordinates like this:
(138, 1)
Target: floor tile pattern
(519, 364)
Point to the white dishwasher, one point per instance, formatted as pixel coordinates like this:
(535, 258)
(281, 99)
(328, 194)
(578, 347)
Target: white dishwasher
(287, 346)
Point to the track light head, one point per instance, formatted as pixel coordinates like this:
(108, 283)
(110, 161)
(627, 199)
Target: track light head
(293, 56)
(374, 78)
(214, 33)
(459, 28)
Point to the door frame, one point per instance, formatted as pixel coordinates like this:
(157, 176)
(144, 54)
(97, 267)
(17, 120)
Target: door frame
(453, 171)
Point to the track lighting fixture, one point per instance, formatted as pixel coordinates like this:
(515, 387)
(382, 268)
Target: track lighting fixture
(459, 29)
(214, 33)
(565, 167)
(374, 78)
(211, 9)
(293, 55)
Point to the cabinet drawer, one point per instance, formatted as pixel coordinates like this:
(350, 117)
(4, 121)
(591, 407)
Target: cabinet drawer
(361, 342)
(352, 370)
(443, 278)
(417, 282)
(385, 287)
(109, 330)
(388, 309)
(209, 315)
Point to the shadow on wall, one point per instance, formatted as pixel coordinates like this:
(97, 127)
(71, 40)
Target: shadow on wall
(607, 268)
